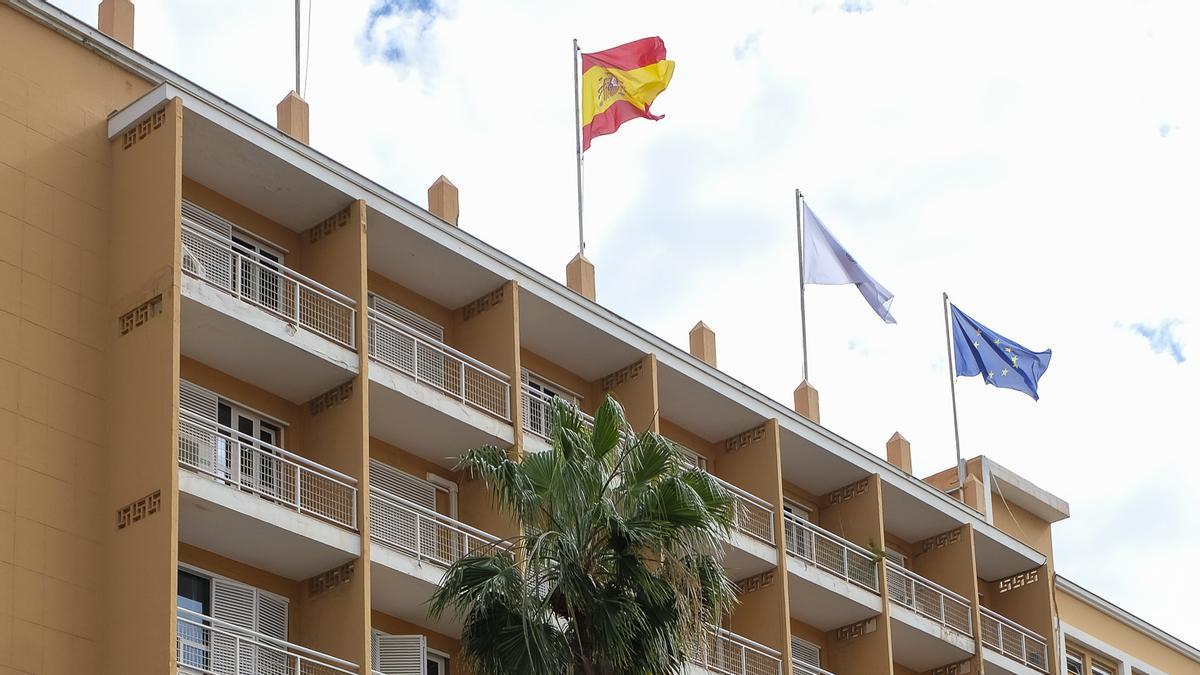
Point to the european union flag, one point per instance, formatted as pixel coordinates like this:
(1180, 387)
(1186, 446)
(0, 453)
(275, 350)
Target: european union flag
(1003, 363)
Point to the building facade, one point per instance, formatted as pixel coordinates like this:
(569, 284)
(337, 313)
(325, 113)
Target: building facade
(235, 377)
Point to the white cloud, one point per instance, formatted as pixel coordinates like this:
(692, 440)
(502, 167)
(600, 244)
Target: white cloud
(1012, 155)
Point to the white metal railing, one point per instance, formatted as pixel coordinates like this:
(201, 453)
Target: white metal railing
(802, 668)
(246, 463)
(929, 599)
(754, 516)
(214, 647)
(830, 552)
(537, 412)
(424, 534)
(437, 365)
(727, 653)
(268, 285)
(1012, 639)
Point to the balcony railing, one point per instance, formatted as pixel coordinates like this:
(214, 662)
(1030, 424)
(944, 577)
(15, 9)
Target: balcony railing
(929, 599)
(214, 647)
(436, 365)
(1013, 640)
(537, 412)
(831, 553)
(754, 516)
(801, 668)
(246, 463)
(268, 285)
(726, 653)
(421, 533)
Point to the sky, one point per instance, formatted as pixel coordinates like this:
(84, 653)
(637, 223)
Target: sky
(1037, 161)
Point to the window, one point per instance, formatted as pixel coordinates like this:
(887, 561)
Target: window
(805, 652)
(248, 455)
(1074, 665)
(260, 279)
(539, 392)
(694, 458)
(1101, 670)
(436, 663)
(799, 540)
(194, 600)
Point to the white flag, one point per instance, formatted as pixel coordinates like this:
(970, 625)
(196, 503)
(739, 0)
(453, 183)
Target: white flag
(826, 262)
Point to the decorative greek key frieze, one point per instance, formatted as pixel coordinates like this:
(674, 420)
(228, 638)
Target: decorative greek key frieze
(143, 128)
(942, 540)
(756, 582)
(334, 396)
(857, 629)
(329, 579)
(140, 314)
(483, 304)
(1018, 580)
(139, 509)
(745, 438)
(953, 669)
(847, 493)
(328, 226)
(630, 372)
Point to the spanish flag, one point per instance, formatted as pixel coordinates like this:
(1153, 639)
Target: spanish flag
(619, 84)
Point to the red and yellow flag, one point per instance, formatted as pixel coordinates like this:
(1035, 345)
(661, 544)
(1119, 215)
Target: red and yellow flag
(619, 84)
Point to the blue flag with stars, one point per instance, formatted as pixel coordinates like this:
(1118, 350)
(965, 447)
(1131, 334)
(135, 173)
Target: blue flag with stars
(979, 350)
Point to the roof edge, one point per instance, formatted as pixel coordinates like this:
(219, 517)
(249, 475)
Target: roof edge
(1124, 616)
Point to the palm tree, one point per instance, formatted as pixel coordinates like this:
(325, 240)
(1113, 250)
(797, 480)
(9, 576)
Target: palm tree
(617, 570)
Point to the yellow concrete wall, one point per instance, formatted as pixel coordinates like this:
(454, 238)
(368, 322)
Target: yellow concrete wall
(55, 328)
(336, 622)
(689, 440)
(1022, 525)
(143, 396)
(1025, 599)
(855, 512)
(433, 640)
(752, 464)
(948, 559)
(635, 387)
(1120, 635)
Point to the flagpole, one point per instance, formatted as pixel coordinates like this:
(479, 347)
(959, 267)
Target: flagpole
(578, 142)
(298, 46)
(962, 478)
(800, 251)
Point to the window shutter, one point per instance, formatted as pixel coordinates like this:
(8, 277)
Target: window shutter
(232, 603)
(400, 654)
(406, 316)
(272, 615)
(694, 458)
(401, 484)
(805, 652)
(209, 258)
(198, 400)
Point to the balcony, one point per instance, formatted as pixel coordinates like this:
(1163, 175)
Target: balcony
(412, 547)
(430, 398)
(801, 668)
(537, 418)
(752, 549)
(208, 646)
(832, 582)
(931, 625)
(293, 336)
(254, 502)
(1011, 648)
(727, 653)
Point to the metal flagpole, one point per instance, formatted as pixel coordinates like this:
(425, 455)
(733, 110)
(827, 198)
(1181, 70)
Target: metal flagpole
(578, 143)
(962, 478)
(800, 250)
(298, 47)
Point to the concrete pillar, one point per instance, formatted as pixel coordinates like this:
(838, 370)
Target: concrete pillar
(808, 401)
(443, 200)
(899, 453)
(703, 343)
(581, 277)
(292, 117)
(116, 20)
